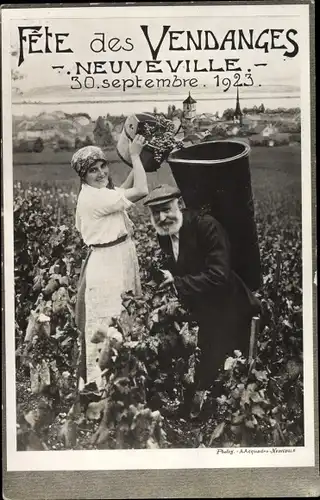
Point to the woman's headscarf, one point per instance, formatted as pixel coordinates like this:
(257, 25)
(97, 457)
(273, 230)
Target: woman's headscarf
(85, 157)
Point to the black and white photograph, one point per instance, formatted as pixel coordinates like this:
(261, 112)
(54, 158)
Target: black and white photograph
(159, 265)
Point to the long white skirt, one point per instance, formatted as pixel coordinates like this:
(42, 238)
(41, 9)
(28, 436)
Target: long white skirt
(110, 272)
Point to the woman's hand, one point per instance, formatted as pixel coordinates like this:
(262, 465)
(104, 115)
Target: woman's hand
(136, 145)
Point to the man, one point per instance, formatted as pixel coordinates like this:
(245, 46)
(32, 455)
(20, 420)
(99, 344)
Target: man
(198, 254)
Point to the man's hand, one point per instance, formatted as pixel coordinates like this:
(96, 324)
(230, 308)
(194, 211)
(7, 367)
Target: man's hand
(168, 279)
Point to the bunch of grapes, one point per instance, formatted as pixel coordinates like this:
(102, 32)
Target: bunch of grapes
(161, 138)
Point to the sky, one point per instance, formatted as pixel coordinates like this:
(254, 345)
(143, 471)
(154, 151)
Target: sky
(41, 83)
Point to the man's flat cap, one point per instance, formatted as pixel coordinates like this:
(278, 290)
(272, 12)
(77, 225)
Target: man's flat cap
(161, 194)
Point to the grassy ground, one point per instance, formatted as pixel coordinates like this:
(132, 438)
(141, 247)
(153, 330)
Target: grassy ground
(272, 169)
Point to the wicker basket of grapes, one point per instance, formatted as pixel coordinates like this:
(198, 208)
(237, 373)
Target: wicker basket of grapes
(160, 135)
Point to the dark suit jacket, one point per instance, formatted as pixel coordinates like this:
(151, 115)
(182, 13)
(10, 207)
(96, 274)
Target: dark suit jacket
(220, 301)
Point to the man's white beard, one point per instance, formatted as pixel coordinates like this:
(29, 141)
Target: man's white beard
(172, 229)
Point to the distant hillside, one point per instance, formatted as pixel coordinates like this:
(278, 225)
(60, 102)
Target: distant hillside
(51, 127)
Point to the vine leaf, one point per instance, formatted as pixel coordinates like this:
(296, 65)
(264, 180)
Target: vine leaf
(217, 432)
(94, 410)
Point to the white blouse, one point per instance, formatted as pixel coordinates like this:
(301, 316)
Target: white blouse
(101, 214)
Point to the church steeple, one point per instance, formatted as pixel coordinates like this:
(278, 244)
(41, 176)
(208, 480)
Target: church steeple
(238, 113)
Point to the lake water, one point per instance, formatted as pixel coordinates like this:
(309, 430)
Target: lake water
(142, 104)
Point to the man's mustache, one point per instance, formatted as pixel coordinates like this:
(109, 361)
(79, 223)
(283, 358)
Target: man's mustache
(166, 222)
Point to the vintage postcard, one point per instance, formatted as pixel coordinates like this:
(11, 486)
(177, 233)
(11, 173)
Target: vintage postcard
(159, 247)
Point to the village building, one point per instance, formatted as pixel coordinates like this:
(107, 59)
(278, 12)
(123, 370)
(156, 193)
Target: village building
(189, 114)
(189, 108)
(255, 117)
(25, 135)
(192, 138)
(248, 122)
(234, 129)
(265, 129)
(54, 127)
(203, 123)
(28, 131)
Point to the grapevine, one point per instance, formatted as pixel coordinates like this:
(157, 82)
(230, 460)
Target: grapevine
(152, 356)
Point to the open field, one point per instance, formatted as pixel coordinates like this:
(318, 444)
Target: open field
(273, 170)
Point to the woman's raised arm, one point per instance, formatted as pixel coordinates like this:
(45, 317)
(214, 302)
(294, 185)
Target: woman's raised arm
(140, 184)
(128, 183)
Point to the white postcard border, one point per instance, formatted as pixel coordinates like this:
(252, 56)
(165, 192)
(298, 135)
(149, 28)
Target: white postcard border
(173, 458)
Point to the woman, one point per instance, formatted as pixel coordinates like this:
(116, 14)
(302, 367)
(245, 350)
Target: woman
(111, 266)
